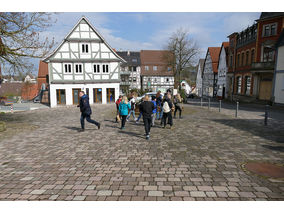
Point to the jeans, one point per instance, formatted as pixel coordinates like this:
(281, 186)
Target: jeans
(133, 114)
(88, 118)
(170, 118)
(153, 119)
(147, 124)
(177, 108)
(161, 113)
(123, 120)
(140, 115)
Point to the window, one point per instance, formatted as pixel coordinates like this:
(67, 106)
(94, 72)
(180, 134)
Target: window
(78, 68)
(269, 29)
(149, 79)
(273, 29)
(247, 85)
(167, 80)
(134, 69)
(130, 78)
(247, 57)
(147, 68)
(231, 61)
(134, 59)
(239, 84)
(67, 68)
(268, 54)
(85, 48)
(105, 68)
(243, 61)
(134, 79)
(155, 80)
(96, 68)
(252, 56)
(155, 68)
(238, 60)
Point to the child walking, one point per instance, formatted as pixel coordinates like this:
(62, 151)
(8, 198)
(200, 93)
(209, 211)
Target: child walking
(177, 102)
(155, 110)
(124, 106)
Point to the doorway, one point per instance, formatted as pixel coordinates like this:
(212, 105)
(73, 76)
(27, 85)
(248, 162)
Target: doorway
(97, 95)
(110, 95)
(60, 96)
(75, 94)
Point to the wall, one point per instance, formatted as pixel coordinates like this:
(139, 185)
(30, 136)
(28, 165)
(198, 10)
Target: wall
(279, 77)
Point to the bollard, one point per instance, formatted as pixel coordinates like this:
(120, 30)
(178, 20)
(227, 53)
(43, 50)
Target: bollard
(201, 102)
(266, 115)
(237, 110)
(208, 103)
(220, 105)
(12, 110)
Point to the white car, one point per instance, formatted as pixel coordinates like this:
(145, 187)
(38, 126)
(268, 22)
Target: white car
(149, 94)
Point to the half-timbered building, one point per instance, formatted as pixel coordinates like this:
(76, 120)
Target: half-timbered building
(83, 61)
(222, 81)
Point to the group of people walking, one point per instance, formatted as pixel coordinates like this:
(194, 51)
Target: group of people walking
(151, 108)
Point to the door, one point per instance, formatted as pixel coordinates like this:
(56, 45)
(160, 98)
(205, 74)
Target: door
(97, 95)
(60, 96)
(110, 95)
(265, 88)
(223, 93)
(76, 97)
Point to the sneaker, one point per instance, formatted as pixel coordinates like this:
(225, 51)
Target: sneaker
(137, 122)
(147, 137)
(127, 120)
(99, 126)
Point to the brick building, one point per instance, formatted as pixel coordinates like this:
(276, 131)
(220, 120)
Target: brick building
(252, 58)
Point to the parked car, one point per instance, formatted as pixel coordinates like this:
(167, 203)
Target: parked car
(149, 94)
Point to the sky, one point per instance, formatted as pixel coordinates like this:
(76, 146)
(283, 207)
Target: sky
(137, 31)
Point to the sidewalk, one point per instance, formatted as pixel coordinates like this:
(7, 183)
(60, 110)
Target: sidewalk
(18, 107)
(246, 110)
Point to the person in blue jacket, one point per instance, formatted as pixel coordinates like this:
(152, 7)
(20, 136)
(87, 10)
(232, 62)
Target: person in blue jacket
(123, 108)
(86, 111)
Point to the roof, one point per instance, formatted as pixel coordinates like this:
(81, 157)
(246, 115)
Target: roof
(29, 91)
(11, 89)
(128, 56)
(94, 29)
(42, 69)
(268, 15)
(214, 53)
(226, 46)
(155, 58)
(201, 63)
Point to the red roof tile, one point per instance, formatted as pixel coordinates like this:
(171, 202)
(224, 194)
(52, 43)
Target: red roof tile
(214, 53)
(157, 58)
(42, 69)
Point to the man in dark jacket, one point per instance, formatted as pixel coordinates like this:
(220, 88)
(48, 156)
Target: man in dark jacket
(147, 107)
(167, 107)
(86, 111)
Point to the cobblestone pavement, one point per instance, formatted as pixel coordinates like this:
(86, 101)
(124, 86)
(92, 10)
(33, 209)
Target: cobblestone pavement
(199, 159)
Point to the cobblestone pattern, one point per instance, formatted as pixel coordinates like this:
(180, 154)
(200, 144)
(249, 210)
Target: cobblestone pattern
(199, 159)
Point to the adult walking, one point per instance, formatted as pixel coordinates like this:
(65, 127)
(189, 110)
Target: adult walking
(117, 118)
(167, 108)
(86, 111)
(178, 102)
(124, 106)
(147, 108)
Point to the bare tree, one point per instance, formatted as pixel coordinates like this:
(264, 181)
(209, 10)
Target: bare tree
(21, 39)
(184, 52)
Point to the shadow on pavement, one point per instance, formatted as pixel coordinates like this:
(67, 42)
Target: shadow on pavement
(253, 126)
(274, 148)
(131, 134)
(73, 128)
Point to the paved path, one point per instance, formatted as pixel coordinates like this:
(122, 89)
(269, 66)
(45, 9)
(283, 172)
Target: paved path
(200, 159)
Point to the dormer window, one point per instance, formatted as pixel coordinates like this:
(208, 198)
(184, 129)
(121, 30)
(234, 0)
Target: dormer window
(85, 48)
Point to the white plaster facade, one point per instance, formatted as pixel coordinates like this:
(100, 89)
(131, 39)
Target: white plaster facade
(278, 90)
(83, 60)
(222, 74)
(158, 82)
(208, 77)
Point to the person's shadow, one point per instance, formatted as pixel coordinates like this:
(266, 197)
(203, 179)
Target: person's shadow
(73, 128)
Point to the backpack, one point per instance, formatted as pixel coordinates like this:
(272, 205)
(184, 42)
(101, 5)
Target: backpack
(166, 107)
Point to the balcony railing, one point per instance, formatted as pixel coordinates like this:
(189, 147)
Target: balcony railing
(263, 65)
(124, 72)
(125, 83)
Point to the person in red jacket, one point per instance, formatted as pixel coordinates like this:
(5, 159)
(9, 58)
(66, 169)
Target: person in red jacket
(117, 118)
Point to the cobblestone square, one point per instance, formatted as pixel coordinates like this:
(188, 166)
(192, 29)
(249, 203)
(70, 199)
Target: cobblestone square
(199, 159)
